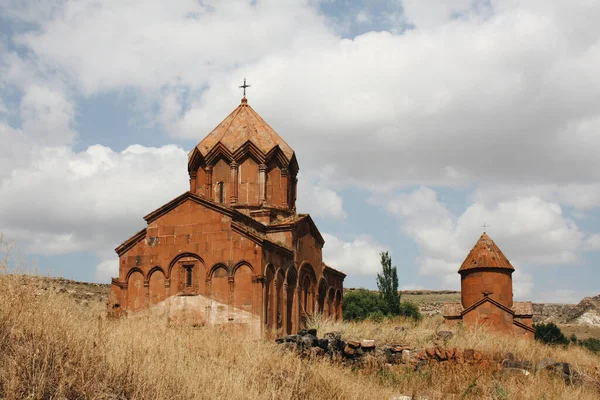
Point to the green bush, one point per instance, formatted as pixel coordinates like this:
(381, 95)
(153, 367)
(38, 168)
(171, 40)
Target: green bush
(590, 344)
(550, 334)
(410, 310)
(362, 304)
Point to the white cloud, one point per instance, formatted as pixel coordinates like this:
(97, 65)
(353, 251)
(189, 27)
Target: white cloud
(318, 199)
(529, 230)
(359, 256)
(470, 94)
(592, 243)
(47, 116)
(107, 269)
(88, 201)
(428, 14)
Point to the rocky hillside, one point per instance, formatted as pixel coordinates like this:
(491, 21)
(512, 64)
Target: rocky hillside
(585, 313)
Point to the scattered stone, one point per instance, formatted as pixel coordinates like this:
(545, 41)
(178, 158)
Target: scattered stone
(517, 364)
(291, 346)
(287, 338)
(367, 345)
(440, 353)
(353, 343)
(450, 353)
(324, 344)
(304, 332)
(349, 351)
(309, 341)
(405, 357)
(317, 352)
(544, 363)
(459, 356)
(445, 335)
(567, 372)
(333, 335)
(430, 351)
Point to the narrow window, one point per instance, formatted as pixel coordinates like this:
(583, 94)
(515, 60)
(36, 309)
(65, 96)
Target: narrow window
(220, 191)
(188, 273)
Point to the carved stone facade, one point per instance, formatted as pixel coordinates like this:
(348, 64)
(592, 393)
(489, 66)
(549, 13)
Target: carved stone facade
(232, 250)
(487, 293)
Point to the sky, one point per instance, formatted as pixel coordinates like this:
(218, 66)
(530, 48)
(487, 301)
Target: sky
(414, 123)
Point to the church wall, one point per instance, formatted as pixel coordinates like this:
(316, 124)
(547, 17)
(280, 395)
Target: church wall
(274, 188)
(221, 173)
(285, 237)
(498, 283)
(308, 249)
(248, 187)
(200, 182)
(189, 235)
(157, 289)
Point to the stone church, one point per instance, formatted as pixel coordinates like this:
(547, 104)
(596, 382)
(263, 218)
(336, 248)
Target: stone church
(232, 250)
(487, 293)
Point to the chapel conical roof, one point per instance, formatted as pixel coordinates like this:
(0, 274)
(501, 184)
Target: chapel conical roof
(243, 126)
(485, 254)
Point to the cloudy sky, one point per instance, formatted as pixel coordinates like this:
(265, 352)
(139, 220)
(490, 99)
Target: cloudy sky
(414, 122)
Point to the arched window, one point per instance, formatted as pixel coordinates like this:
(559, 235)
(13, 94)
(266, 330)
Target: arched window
(220, 192)
(188, 275)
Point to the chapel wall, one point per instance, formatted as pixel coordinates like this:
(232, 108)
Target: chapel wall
(498, 283)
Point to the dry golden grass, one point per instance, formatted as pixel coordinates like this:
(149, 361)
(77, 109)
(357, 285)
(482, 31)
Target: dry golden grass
(53, 346)
(447, 380)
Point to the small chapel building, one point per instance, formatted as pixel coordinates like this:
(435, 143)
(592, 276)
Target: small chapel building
(487, 293)
(232, 250)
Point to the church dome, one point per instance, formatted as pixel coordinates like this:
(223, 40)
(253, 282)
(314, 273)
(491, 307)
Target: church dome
(485, 254)
(241, 131)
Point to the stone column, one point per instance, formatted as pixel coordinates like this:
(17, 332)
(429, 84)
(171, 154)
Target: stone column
(275, 303)
(209, 182)
(296, 308)
(230, 301)
(262, 183)
(285, 308)
(286, 187)
(234, 181)
(193, 182)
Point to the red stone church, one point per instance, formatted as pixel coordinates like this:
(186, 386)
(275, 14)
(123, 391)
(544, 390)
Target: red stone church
(232, 249)
(487, 293)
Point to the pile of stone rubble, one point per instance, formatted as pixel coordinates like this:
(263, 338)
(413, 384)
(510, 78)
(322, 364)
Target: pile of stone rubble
(308, 344)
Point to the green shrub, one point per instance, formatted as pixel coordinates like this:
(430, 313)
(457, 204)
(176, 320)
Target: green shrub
(376, 316)
(410, 310)
(550, 334)
(361, 304)
(591, 344)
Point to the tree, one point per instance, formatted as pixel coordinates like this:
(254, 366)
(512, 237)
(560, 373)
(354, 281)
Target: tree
(550, 334)
(362, 304)
(387, 283)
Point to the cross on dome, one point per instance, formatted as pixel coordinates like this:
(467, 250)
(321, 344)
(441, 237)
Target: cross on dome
(244, 86)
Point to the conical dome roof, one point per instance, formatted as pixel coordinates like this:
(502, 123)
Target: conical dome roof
(241, 126)
(485, 254)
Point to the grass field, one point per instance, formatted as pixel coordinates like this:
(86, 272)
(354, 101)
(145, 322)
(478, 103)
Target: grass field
(57, 345)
